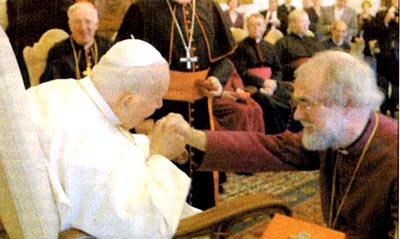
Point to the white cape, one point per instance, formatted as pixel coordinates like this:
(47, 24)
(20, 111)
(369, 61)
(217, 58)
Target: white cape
(104, 183)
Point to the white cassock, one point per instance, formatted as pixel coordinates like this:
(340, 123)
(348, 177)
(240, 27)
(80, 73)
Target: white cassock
(104, 181)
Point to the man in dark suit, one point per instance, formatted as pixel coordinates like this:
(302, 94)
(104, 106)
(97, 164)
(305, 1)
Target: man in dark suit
(331, 14)
(274, 18)
(283, 11)
(76, 56)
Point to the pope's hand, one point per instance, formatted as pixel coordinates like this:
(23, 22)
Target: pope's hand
(165, 140)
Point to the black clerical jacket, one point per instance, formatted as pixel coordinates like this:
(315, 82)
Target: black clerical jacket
(213, 40)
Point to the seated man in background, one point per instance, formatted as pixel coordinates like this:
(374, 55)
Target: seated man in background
(76, 56)
(337, 41)
(259, 66)
(355, 148)
(108, 182)
(296, 47)
(331, 14)
(235, 109)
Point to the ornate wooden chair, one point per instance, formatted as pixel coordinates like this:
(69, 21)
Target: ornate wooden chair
(27, 206)
(35, 57)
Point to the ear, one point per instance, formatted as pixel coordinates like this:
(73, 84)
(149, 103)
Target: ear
(128, 100)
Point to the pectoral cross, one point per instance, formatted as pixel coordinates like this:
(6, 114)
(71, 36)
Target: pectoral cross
(188, 59)
(88, 70)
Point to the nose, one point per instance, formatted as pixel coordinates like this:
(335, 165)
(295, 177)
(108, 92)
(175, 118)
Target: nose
(298, 114)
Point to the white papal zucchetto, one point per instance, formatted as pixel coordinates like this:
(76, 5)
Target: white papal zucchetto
(132, 53)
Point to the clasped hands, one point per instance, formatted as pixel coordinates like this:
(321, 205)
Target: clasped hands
(169, 137)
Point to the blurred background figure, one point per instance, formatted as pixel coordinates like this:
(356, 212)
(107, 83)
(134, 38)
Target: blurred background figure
(273, 17)
(283, 11)
(314, 11)
(387, 34)
(331, 14)
(337, 40)
(306, 4)
(232, 16)
(366, 32)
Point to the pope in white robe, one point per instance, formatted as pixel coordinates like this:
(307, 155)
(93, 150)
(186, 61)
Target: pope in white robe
(107, 181)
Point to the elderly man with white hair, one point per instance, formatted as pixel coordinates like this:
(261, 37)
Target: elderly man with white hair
(76, 56)
(354, 148)
(297, 46)
(108, 182)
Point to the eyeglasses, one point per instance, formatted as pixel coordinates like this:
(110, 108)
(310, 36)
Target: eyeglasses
(303, 104)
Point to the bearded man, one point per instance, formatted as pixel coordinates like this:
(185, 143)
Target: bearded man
(354, 148)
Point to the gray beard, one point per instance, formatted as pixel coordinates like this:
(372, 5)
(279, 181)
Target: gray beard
(324, 139)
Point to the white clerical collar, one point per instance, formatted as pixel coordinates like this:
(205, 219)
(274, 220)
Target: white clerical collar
(339, 44)
(87, 86)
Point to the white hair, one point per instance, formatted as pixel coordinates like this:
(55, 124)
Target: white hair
(79, 5)
(345, 80)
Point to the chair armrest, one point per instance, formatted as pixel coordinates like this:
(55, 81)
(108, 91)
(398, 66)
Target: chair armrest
(219, 220)
(74, 234)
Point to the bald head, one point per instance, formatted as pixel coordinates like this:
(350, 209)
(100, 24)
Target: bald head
(339, 32)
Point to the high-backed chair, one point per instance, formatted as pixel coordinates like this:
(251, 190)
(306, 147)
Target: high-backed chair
(27, 205)
(239, 34)
(35, 57)
(273, 36)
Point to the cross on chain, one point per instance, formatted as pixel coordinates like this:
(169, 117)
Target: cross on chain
(188, 59)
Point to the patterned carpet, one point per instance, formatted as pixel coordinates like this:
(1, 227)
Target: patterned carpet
(299, 189)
